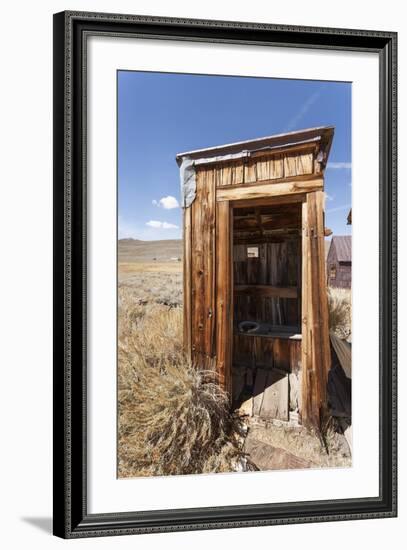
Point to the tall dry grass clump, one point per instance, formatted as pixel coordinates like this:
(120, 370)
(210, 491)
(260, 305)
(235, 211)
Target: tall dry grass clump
(175, 420)
(173, 417)
(340, 311)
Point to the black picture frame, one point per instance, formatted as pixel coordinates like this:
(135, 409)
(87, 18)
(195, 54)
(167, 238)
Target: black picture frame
(71, 519)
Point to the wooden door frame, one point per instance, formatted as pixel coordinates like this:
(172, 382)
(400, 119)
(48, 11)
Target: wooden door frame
(224, 294)
(315, 349)
(265, 200)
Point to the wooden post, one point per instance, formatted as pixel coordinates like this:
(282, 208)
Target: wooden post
(187, 282)
(315, 332)
(224, 302)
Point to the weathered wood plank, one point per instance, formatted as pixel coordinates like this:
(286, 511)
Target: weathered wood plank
(281, 354)
(315, 359)
(250, 172)
(322, 291)
(316, 350)
(298, 164)
(279, 152)
(295, 391)
(224, 302)
(268, 457)
(268, 190)
(203, 269)
(267, 290)
(343, 351)
(273, 298)
(187, 281)
(263, 169)
(276, 167)
(224, 175)
(238, 382)
(238, 174)
(339, 389)
(275, 402)
(258, 392)
(306, 359)
(270, 168)
(269, 201)
(273, 180)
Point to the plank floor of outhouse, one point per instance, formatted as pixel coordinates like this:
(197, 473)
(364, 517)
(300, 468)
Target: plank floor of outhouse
(265, 375)
(276, 440)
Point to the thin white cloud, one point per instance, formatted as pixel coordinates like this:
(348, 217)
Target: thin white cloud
(161, 225)
(168, 203)
(329, 197)
(339, 165)
(338, 208)
(296, 119)
(129, 229)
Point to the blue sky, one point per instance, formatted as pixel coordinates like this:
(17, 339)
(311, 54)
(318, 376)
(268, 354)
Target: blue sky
(160, 115)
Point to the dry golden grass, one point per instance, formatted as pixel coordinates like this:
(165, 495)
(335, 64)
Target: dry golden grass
(151, 287)
(173, 418)
(127, 269)
(340, 311)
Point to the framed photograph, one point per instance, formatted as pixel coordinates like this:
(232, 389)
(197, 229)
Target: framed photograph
(224, 274)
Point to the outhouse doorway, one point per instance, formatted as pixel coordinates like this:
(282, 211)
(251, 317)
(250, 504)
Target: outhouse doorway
(267, 332)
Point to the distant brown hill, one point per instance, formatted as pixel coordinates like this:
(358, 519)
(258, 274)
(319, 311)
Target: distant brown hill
(134, 250)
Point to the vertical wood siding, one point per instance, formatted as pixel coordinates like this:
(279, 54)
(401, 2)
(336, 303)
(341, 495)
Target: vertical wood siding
(209, 274)
(278, 264)
(264, 168)
(203, 216)
(187, 298)
(224, 301)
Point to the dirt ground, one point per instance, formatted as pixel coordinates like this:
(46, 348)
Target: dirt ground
(274, 447)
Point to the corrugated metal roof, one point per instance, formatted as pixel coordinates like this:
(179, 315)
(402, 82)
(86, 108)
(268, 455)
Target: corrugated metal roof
(323, 134)
(343, 246)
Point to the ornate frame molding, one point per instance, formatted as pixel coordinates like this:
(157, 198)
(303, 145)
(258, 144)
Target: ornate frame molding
(71, 30)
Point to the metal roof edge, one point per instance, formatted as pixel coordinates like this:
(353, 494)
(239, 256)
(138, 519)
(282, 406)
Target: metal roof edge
(325, 133)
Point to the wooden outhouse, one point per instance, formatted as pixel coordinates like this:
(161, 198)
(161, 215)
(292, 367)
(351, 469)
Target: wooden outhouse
(255, 301)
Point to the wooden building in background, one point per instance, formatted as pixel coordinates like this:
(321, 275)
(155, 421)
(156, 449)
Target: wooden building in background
(255, 301)
(339, 262)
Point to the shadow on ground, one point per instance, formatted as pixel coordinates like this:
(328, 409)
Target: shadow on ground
(43, 523)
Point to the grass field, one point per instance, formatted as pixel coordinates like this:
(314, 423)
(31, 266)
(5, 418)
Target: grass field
(173, 419)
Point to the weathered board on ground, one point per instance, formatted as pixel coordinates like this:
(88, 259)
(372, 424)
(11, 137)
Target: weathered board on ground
(268, 457)
(339, 389)
(343, 350)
